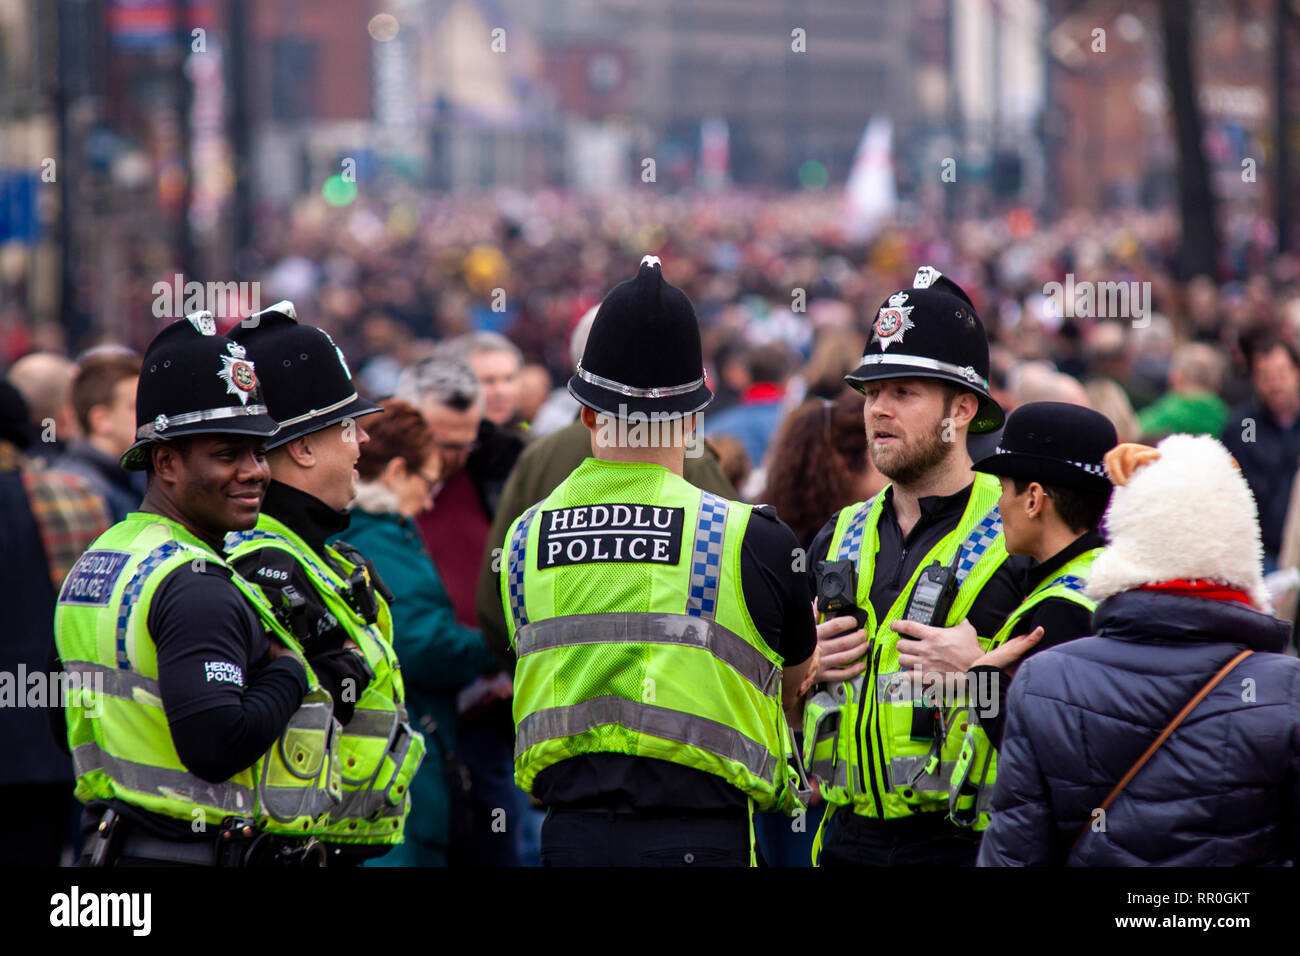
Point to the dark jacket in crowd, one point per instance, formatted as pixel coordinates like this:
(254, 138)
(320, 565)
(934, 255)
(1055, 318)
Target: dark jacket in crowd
(1223, 790)
(121, 490)
(439, 657)
(1269, 455)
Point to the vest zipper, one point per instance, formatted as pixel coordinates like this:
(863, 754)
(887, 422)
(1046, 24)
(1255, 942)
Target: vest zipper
(864, 772)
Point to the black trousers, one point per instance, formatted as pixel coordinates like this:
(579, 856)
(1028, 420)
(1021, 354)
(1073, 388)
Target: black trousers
(922, 840)
(607, 838)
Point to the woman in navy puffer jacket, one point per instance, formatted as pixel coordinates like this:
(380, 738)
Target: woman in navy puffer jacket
(1180, 593)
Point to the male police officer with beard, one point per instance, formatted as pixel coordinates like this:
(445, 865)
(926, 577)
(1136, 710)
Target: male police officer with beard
(201, 738)
(659, 629)
(927, 549)
(327, 594)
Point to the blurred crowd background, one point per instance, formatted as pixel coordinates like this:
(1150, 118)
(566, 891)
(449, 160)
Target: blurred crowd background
(449, 187)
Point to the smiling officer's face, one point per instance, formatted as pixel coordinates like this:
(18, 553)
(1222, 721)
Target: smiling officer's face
(216, 481)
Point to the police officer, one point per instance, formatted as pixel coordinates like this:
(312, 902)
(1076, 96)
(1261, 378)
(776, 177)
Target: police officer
(198, 738)
(659, 629)
(928, 548)
(1054, 492)
(327, 594)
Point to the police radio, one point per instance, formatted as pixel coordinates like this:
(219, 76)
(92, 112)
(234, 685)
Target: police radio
(931, 599)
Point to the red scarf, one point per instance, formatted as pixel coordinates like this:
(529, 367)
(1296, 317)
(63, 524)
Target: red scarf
(1202, 589)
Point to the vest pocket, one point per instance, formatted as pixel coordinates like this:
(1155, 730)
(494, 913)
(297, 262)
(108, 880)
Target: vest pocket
(821, 727)
(406, 758)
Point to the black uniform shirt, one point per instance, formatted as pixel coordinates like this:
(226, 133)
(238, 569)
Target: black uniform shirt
(1061, 620)
(319, 630)
(774, 595)
(899, 557)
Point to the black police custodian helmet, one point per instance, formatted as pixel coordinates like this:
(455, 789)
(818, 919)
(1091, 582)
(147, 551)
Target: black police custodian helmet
(305, 377)
(1053, 443)
(643, 353)
(931, 331)
(195, 382)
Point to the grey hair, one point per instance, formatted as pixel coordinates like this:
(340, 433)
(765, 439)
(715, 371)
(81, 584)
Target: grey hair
(441, 380)
(472, 343)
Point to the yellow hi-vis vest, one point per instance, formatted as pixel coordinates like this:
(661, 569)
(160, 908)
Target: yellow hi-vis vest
(379, 752)
(971, 787)
(121, 744)
(623, 601)
(858, 734)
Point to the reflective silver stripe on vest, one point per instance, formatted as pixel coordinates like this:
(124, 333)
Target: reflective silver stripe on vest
(630, 628)
(111, 681)
(371, 723)
(706, 557)
(515, 561)
(901, 770)
(910, 687)
(161, 782)
(559, 722)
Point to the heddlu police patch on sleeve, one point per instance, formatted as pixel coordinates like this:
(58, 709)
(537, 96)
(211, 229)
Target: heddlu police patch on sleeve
(587, 534)
(90, 582)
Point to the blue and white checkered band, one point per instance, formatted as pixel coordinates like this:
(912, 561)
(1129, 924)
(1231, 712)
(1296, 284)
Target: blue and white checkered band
(706, 557)
(981, 537)
(851, 543)
(1073, 582)
(131, 594)
(1093, 469)
(515, 567)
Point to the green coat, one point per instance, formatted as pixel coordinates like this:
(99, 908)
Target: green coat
(540, 469)
(1198, 413)
(438, 656)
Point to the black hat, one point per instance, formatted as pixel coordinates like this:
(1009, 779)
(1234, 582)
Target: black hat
(931, 331)
(307, 381)
(1054, 443)
(643, 353)
(195, 382)
(14, 426)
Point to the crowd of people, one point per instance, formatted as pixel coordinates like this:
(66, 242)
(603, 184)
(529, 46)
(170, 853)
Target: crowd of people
(459, 322)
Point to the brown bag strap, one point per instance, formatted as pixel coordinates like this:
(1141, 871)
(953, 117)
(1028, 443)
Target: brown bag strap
(1164, 735)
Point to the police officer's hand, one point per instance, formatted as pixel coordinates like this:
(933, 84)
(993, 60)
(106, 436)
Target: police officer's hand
(841, 653)
(1006, 655)
(937, 650)
(280, 650)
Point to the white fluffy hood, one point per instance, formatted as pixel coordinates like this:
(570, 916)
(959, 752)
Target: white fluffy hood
(1187, 516)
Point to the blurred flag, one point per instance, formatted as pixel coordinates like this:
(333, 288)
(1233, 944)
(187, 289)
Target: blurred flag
(715, 153)
(869, 195)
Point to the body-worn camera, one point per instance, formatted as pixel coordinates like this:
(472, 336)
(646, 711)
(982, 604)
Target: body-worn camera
(837, 590)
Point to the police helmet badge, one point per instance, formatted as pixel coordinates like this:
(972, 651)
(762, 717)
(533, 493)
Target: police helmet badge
(237, 373)
(892, 321)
